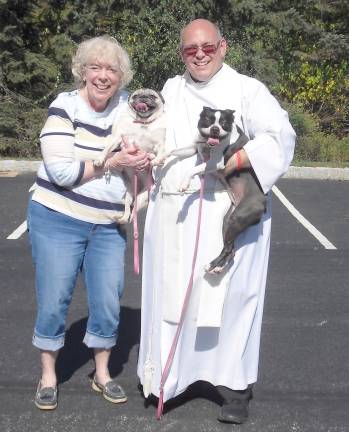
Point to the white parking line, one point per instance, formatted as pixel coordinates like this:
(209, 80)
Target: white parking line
(315, 232)
(18, 231)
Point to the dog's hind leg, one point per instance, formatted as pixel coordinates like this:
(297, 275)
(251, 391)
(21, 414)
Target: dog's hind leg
(247, 213)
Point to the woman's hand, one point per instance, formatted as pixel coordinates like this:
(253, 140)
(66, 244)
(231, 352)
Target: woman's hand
(130, 156)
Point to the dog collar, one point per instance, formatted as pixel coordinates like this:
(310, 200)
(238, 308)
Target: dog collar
(143, 122)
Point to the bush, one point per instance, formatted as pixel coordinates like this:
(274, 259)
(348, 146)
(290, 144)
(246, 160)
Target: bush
(300, 51)
(312, 144)
(20, 126)
(333, 149)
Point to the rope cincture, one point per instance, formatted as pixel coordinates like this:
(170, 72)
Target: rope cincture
(171, 355)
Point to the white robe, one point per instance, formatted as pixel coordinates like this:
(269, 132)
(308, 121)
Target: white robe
(219, 342)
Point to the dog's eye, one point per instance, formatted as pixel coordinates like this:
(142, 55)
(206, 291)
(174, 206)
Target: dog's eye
(152, 96)
(226, 124)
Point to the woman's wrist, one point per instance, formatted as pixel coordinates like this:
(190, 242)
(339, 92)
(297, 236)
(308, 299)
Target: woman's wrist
(98, 170)
(93, 171)
(112, 164)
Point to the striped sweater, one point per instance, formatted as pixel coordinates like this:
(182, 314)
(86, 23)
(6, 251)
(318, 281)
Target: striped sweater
(72, 134)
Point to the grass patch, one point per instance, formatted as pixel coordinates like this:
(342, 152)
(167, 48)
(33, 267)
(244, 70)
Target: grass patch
(305, 163)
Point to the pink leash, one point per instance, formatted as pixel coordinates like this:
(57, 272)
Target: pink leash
(135, 218)
(135, 226)
(171, 354)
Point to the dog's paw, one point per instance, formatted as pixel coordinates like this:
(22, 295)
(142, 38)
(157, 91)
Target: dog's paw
(98, 162)
(184, 186)
(157, 162)
(217, 265)
(213, 270)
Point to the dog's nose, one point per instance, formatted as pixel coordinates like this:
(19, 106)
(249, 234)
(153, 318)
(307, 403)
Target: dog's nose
(214, 131)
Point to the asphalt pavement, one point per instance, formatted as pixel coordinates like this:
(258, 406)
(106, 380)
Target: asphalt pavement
(304, 369)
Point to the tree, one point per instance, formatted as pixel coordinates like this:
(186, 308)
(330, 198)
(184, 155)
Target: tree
(299, 49)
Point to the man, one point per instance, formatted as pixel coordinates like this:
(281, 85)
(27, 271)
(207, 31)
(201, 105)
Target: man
(219, 341)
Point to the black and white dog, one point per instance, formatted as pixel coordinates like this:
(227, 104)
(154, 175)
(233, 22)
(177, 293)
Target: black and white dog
(248, 200)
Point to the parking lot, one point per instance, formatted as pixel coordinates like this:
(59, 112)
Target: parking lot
(304, 369)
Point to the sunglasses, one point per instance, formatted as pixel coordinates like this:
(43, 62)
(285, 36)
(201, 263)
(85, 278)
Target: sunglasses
(207, 49)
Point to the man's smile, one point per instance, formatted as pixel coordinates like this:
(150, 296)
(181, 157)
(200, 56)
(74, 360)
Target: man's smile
(202, 63)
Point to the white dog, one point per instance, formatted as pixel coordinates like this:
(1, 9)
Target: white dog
(142, 123)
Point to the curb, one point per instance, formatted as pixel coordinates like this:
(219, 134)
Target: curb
(315, 173)
(19, 166)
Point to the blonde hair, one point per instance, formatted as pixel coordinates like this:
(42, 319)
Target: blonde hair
(102, 48)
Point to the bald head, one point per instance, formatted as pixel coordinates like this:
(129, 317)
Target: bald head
(202, 49)
(203, 25)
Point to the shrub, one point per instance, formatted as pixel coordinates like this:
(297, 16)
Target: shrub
(312, 144)
(20, 126)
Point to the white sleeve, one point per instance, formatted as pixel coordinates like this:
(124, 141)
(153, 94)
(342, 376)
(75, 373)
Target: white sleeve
(170, 89)
(57, 147)
(272, 138)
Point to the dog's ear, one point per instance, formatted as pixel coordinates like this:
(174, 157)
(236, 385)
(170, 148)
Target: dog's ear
(207, 111)
(132, 95)
(230, 115)
(230, 112)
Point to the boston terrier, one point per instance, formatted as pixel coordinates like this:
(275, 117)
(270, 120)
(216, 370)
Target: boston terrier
(248, 200)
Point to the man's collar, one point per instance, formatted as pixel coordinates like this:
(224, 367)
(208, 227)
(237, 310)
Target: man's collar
(205, 82)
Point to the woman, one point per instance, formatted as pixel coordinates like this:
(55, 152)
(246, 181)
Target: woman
(73, 214)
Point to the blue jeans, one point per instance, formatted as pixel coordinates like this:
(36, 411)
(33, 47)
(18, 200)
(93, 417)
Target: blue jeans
(61, 247)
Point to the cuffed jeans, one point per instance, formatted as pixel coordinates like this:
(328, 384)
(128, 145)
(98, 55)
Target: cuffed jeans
(61, 247)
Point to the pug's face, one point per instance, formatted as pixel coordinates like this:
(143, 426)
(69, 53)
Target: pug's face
(146, 103)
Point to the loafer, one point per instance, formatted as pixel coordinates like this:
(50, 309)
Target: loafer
(112, 391)
(46, 397)
(235, 411)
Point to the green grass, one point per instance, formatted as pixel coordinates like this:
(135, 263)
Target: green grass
(305, 163)
(295, 162)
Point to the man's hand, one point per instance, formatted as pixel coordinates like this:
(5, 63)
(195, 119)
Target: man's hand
(236, 162)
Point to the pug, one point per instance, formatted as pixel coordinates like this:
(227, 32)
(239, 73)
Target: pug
(143, 122)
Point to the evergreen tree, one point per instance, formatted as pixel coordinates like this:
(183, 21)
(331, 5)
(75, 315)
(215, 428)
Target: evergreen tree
(299, 49)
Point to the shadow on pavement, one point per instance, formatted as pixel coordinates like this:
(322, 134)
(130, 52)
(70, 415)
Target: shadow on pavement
(198, 390)
(75, 353)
